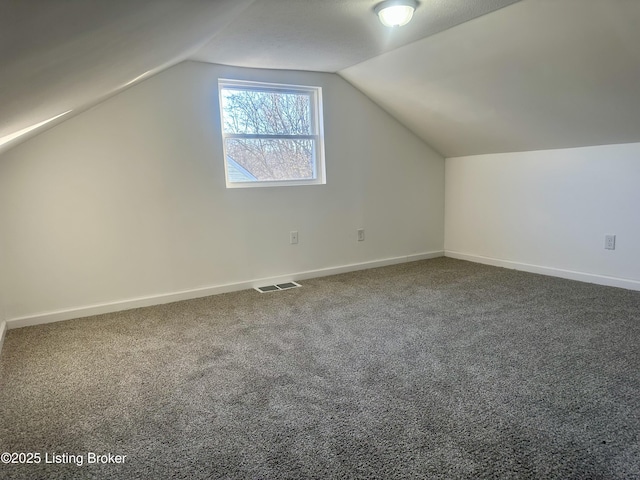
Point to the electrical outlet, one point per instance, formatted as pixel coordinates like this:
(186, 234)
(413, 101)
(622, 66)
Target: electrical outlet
(361, 234)
(293, 238)
(610, 242)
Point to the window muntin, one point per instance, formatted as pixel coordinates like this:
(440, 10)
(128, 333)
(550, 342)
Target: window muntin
(272, 134)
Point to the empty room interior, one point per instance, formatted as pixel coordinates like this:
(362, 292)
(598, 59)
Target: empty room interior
(269, 239)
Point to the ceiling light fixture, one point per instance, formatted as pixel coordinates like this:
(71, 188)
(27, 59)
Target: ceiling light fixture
(395, 13)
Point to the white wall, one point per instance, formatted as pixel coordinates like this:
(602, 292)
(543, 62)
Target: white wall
(3, 279)
(548, 211)
(128, 199)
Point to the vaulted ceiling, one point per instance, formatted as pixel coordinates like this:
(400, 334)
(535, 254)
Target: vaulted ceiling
(61, 55)
(539, 74)
(468, 77)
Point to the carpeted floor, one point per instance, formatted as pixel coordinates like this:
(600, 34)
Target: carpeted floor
(433, 369)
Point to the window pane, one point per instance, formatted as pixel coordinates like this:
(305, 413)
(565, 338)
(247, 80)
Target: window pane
(266, 113)
(269, 159)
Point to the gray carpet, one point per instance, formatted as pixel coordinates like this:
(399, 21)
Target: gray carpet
(433, 369)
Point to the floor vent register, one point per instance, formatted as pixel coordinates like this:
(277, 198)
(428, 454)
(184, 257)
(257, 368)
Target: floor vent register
(278, 288)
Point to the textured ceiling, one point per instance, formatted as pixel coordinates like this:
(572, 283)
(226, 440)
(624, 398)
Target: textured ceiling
(539, 74)
(536, 74)
(60, 55)
(328, 35)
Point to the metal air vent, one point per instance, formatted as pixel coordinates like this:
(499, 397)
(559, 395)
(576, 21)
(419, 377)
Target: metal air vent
(278, 287)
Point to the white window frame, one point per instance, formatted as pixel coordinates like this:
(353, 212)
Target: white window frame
(317, 134)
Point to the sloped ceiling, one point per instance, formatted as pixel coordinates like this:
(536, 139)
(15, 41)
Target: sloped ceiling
(539, 74)
(61, 55)
(468, 77)
(58, 56)
(328, 35)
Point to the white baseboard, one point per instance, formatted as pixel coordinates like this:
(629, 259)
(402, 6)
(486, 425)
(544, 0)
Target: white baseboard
(117, 306)
(3, 331)
(554, 272)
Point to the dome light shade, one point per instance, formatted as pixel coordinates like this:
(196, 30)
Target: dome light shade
(395, 13)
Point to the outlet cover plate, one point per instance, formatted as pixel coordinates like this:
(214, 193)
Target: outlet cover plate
(610, 242)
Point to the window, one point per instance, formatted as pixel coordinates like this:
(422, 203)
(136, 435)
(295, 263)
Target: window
(272, 134)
